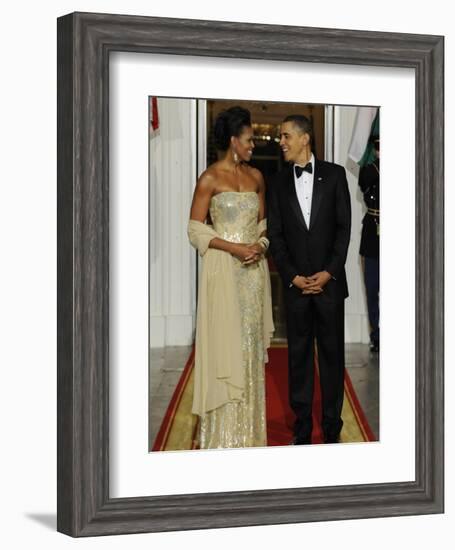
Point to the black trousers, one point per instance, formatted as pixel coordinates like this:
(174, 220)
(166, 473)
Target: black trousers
(371, 276)
(308, 318)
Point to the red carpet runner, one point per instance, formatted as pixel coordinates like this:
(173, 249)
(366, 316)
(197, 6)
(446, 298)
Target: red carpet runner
(179, 426)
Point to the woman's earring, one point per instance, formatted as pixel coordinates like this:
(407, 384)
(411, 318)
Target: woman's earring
(236, 157)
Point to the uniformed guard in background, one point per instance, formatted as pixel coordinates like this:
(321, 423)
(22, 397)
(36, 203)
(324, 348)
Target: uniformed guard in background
(369, 243)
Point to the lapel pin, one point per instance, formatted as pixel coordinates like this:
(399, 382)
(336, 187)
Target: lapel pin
(319, 179)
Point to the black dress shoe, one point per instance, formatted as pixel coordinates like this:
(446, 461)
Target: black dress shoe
(374, 347)
(332, 439)
(296, 440)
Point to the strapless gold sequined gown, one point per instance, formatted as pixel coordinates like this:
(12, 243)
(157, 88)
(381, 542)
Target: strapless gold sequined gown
(241, 423)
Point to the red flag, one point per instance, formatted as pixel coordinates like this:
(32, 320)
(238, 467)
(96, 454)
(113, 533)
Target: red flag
(154, 113)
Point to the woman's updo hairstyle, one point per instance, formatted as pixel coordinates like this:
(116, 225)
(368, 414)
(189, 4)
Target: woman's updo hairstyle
(230, 123)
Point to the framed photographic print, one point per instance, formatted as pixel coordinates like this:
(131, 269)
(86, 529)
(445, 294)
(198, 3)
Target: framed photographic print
(128, 278)
(174, 270)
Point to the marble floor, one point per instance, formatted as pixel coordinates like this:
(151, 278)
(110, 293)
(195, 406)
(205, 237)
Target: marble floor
(167, 364)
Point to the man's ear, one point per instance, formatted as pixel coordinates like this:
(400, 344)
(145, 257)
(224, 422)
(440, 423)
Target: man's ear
(306, 138)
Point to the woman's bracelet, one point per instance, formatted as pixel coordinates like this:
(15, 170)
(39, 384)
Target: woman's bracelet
(264, 242)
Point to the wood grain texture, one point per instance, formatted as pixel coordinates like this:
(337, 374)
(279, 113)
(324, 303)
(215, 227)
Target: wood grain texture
(84, 43)
(65, 305)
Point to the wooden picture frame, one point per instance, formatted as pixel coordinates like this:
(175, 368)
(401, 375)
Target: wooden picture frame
(84, 43)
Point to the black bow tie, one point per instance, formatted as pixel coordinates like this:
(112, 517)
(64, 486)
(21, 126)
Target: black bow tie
(300, 169)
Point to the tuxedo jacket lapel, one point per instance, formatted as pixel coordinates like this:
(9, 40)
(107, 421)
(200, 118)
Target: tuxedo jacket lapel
(318, 191)
(293, 200)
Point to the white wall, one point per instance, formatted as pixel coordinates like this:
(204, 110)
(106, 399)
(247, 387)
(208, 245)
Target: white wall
(356, 316)
(28, 277)
(172, 260)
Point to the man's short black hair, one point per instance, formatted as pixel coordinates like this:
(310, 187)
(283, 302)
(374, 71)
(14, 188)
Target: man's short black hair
(303, 123)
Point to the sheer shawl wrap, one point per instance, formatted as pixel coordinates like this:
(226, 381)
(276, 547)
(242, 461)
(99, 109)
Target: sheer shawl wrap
(218, 375)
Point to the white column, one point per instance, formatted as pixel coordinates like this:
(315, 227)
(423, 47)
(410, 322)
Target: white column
(172, 259)
(356, 315)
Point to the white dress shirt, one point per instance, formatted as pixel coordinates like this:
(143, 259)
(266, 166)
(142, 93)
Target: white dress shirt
(304, 190)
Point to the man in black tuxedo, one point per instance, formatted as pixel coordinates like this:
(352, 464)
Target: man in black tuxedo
(309, 225)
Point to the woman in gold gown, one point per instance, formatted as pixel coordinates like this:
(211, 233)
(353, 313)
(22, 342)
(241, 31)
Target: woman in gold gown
(234, 316)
